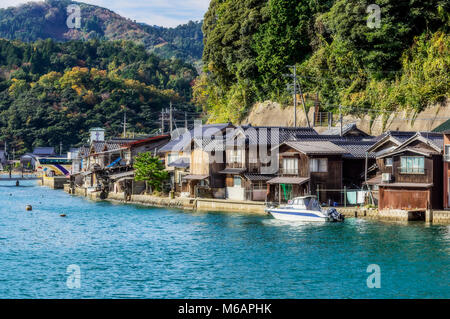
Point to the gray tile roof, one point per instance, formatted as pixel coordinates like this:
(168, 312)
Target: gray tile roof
(316, 147)
(182, 162)
(274, 135)
(258, 177)
(356, 149)
(209, 145)
(44, 151)
(183, 142)
(233, 170)
(345, 129)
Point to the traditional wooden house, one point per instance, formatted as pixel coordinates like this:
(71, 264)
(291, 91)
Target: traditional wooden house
(411, 174)
(177, 158)
(249, 160)
(307, 167)
(207, 160)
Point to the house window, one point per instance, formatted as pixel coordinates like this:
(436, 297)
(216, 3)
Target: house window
(388, 162)
(172, 157)
(236, 156)
(318, 165)
(412, 165)
(290, 166)
(237, 181)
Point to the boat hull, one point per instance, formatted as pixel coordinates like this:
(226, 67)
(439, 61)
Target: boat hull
(306, 216)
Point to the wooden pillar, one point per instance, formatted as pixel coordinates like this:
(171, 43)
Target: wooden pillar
(279, 193)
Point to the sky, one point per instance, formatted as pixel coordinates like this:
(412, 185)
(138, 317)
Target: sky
(166, 13)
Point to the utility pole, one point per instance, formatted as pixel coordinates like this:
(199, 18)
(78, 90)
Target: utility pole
(294, 89)
(340, 117)
(170, 113)
(185, 120)
(124, 123)
(295, 96)
(162, 122)
(60, 148)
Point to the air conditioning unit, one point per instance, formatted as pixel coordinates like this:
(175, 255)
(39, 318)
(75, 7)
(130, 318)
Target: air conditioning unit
(386, 177)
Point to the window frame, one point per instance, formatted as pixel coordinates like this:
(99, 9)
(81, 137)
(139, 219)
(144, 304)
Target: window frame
(290, 169)
(317, 168)
(413, 169)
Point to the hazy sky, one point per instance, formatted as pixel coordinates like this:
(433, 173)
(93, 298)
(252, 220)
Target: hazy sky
(168, 13)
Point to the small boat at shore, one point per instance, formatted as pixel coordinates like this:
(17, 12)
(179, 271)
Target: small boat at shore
(305, 208)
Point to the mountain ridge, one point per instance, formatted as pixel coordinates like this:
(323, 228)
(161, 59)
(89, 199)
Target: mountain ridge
(47, 19)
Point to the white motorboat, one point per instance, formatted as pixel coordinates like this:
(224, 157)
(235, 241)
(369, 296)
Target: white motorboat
(305, 208)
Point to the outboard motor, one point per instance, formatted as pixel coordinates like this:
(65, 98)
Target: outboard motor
(334, 215)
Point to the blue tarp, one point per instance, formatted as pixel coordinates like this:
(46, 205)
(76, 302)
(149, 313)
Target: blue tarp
(114, 163)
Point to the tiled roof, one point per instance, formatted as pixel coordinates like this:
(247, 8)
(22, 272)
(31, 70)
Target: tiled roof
(112, 145)
(209, 145)
(408, 185)
(274, 135)
(182, 162)
(183, 142)
(356, 149)
(345, 129)
(316, 147)
(148, 140)
(443, 127)
(233, 171)
(44, 151)
(258, 177)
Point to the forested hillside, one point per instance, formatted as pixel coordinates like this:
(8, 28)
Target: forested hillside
(402, 64)
(47, 20)
(56, 91)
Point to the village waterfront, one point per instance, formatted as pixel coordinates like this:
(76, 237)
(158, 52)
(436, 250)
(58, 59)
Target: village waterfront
(129, 251)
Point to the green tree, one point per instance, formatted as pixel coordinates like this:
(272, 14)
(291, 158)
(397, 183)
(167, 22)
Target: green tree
(151, 170)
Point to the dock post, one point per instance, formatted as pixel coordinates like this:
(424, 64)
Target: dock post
(429, 216)
(345, 196)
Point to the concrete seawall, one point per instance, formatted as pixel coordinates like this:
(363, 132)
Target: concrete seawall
(56, 182)
(206, 204)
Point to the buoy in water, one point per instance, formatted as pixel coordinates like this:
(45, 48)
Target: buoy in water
(63, 215)
(29, 207)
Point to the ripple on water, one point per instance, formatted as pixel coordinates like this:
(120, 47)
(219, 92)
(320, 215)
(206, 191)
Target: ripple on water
(127, 251)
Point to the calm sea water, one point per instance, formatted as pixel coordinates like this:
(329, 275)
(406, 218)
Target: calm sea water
(126, 251)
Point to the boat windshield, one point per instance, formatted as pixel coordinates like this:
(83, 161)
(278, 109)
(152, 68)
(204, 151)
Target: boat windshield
(313, 204)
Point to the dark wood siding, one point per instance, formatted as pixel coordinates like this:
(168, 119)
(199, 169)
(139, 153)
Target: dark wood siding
(407, 199)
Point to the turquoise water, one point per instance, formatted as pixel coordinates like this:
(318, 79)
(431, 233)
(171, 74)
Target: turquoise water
(126, 251)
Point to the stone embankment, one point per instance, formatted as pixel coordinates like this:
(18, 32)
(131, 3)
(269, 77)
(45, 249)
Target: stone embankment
(221, 205)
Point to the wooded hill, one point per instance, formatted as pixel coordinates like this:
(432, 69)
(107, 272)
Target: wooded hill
(402, 64)
(47, 20)
(56, 91)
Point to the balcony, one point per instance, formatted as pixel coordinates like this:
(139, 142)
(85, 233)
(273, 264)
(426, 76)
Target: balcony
(412, 170)
(289, 171)
(235, 165)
